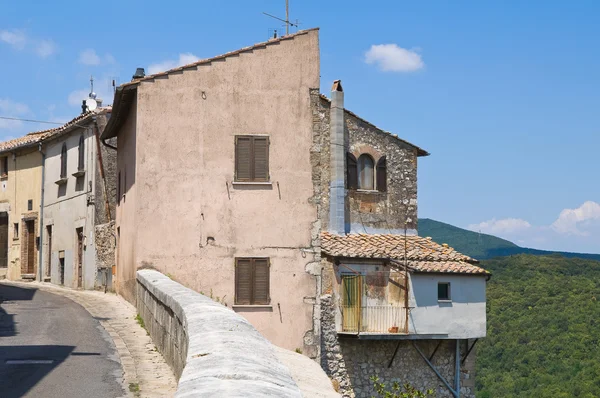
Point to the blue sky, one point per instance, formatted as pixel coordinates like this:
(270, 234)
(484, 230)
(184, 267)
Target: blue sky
(505, 95)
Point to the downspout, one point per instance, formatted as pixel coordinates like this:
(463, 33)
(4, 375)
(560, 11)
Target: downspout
(41, 244)
(457, 369)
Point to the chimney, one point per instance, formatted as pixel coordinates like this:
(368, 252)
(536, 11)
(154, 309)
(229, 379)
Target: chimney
(337, 189)
(139, 73)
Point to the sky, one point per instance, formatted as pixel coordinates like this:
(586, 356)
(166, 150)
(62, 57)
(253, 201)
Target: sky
(505, 95)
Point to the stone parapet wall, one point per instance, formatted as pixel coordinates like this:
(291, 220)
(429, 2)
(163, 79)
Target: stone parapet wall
(212, 350)
(352, 362)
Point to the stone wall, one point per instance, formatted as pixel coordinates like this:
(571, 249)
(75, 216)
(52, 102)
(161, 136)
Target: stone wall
(105, 241)
(107, 184)
(370, 212)
(212, 350)
(352, 362)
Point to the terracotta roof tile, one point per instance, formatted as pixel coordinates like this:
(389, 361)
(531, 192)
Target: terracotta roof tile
(422, 254)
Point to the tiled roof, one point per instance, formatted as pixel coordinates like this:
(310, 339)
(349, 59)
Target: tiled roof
(422, 254)
(420, 151)
(37, 136)
(218, 57)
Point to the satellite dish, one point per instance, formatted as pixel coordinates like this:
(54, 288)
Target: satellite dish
(91, 104)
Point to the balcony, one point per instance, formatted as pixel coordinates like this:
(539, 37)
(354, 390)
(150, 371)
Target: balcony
(376, 319)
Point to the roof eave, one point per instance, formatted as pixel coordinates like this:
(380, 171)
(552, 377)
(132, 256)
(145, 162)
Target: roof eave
(120, 111)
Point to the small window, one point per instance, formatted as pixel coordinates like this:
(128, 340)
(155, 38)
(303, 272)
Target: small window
(251, 158)
(381, 173)
(16, 230)
(252, 281)
(351, 172)
(366, 172)
(80, 164)
(29, 205)
(4, 171)
(63, 161)
(444, 291)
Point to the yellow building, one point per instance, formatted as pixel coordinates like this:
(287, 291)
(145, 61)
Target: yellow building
(20, 195)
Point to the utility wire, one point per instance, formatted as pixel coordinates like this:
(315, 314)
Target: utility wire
(28, 120)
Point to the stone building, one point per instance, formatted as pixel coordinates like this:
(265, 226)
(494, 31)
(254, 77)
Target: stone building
(78, 203)
(20, 188)
(239, 179)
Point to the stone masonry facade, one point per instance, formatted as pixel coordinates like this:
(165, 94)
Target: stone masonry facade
(353, 362)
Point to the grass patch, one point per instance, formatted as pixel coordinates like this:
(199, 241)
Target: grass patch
(135, 389)
(140, 321)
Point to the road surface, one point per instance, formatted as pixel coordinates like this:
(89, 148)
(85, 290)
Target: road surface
(52, 347)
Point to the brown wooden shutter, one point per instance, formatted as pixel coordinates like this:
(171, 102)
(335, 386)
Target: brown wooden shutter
(243, 158)
(351, 172)
(381, 175)
(63, 161)
(261, 158)
(261, 281)
(243, 281)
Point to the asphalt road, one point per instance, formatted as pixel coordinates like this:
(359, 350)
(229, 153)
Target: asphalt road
(52, 347)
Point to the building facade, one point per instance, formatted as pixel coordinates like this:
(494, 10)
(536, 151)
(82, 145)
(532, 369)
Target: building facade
(237, 178)
(75, 202)
(20, 194)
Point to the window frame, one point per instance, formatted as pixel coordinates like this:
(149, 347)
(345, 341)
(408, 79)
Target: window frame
(252, 165)
(252, 301)
(381, 174)
(15, 231)
(448, 297)
(81, 153)
(63, 161)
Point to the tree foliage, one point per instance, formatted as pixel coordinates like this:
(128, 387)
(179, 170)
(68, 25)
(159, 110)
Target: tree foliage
(398, 391)
(543, 328)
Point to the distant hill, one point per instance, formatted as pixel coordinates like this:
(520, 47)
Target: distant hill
(543, 328)
(482, 246)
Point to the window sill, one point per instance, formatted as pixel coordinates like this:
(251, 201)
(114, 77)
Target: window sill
(368, 191)
(251, 306)
(265, 183)
(444, 301)
(4, 177)
(62, 181)
(79, 173)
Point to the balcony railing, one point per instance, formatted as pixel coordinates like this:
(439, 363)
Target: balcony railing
(374, 319)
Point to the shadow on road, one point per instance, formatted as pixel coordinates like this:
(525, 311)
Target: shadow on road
(22, 367)
(8, 295)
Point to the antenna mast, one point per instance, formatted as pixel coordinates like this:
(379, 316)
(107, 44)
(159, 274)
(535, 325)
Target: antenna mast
(287, 18)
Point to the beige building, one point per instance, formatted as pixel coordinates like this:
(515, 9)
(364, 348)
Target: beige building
(20, 194)
(237, 178)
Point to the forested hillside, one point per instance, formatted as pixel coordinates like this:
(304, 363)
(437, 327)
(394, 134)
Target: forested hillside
(543, 328)
(481, 246)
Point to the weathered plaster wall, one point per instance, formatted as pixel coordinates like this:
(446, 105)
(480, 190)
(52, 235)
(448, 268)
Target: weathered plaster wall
(463, 317)
(372, 211)
(213, 351)
(24, 182)
(126, 227)
(70, 206)
(352, 362)
(191, 220)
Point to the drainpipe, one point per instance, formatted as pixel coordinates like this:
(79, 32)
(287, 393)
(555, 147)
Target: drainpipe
(457, 369)
(41, 245)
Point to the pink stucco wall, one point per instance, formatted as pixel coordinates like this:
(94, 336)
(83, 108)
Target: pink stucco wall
(183, 192)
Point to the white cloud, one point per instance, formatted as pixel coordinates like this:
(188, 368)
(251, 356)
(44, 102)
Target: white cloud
(89, 57)
(45, 48)
(15, 38)
(391, 58)
(504, 226)
(109, 59)
(12, 108)
(575, 221)
(184, 59)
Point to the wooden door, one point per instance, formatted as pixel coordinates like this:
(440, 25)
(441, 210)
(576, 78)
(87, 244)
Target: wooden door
(30, 226)
(351, 302)
(79, 257)
(3, 240)
(49, 258)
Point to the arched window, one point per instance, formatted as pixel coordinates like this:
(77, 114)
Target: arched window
(80, 164)
(366, 174)
(351, 172)
(63, 161)
(381, 173)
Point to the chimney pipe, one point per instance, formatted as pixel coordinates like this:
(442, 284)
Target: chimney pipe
(139, 73)
(337, 189)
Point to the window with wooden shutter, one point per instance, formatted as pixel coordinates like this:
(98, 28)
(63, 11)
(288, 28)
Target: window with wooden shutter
(381, 173)
(252, 281)
(81, 159)
(351, 172)
(365, 172)
(251, 158)
(63, 161)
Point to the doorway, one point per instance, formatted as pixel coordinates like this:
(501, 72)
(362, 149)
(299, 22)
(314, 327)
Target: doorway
(49, 257)
(79, 233)
(3, 240)
(352, 291)
(28, 266)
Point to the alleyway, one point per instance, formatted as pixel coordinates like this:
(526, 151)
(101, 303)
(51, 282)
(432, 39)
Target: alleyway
(52, 347)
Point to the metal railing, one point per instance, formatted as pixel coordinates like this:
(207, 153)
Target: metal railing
(374, 319)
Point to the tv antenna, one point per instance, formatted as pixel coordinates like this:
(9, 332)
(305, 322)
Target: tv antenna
(287, 18)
